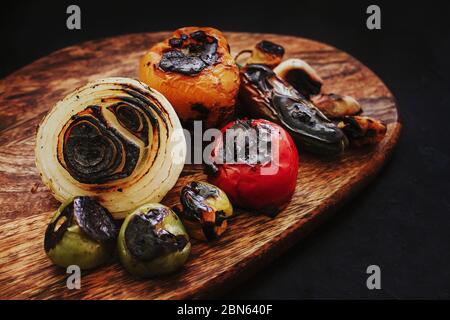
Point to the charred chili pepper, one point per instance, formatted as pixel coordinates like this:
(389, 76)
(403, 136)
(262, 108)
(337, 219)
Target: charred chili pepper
(256, 163)
(152, 241)
(268, 96)
(111, 139)
(300, 75)
(81, 233)
(265, 52)
(362, 130)
(205, 210)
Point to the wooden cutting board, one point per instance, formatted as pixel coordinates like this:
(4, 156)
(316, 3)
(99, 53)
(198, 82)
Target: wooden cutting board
(251, 240)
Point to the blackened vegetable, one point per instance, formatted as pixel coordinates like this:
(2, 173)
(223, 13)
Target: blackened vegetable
(300, 75)
(111, 139)
(145, 242)
(263, 175)
(194, 68)
(153, 241)
(205, 210)
(362, 130)
(265, 52)
(335, 106)
(268, 96)
(94, 220)
(81, 233)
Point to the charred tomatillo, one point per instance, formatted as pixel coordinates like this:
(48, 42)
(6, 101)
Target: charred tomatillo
(205, 210)
(80, 233)
(152, 241)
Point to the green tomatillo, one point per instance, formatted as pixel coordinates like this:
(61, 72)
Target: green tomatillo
(152, 241)
(205, 211)
(80, 233)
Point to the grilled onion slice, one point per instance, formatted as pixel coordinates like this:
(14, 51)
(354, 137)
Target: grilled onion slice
(116, 140)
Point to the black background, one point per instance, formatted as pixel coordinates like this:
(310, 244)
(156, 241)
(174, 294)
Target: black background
(401, 222)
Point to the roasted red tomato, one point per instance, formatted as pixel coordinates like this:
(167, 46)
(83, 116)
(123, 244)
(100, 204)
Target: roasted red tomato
(256, 163)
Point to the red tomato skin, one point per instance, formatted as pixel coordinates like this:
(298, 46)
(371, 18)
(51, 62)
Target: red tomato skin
(248, 188)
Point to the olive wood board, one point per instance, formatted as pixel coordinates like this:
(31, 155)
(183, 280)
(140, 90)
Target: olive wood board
(251, 240)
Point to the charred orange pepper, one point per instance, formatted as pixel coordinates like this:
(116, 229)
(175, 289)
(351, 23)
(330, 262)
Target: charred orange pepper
(195, 71)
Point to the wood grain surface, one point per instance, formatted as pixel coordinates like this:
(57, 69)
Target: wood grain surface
(251, 240)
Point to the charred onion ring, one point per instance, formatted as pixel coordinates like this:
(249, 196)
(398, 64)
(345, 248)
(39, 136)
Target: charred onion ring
(206, 209)
(196, 72)
(113, 139)
(335, 106)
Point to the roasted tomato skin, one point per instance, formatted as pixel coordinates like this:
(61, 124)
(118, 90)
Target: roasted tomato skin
(249, 185)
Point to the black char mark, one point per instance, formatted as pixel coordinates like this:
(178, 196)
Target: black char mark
(261, 139)
(312, 127)
(52, 237)
(131, 118)
(270, 47)
(199, 36)
(176, 42)
(201, 109)
(192, 58)
(258, 74)
(146, 241)
(93, 151)
(94, 220)
(352, 128)
(177, 61)
(147, 103)
(139, 107)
